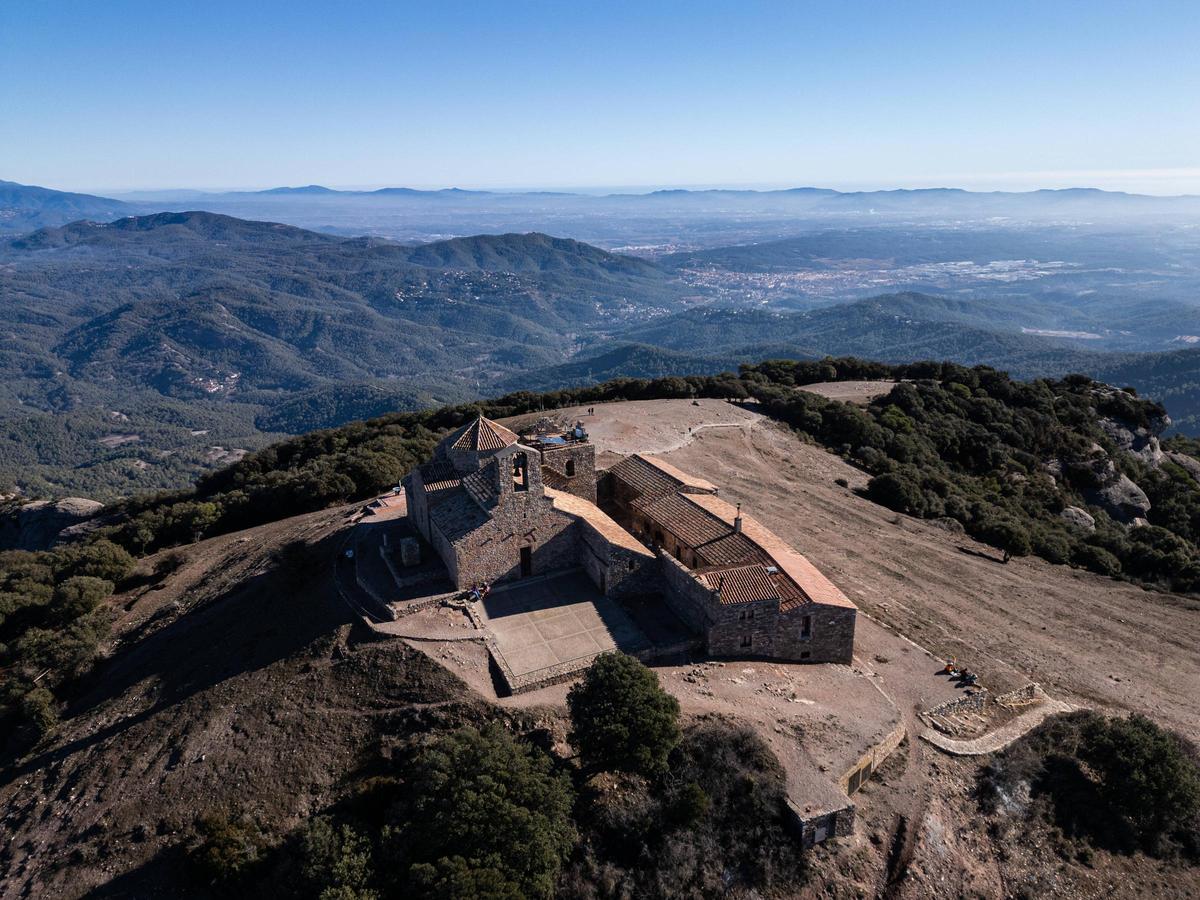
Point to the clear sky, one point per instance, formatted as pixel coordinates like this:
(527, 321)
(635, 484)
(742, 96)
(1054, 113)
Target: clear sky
(109, 95)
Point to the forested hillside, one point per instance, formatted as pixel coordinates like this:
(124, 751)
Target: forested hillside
(135, 348)
(143, 352)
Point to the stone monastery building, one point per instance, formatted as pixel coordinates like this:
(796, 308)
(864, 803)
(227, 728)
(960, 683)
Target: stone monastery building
(497, 506)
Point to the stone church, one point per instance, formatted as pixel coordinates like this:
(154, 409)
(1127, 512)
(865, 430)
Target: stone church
(496, 506)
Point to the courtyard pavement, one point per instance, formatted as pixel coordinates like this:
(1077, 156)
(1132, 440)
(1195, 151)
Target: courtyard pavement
(559, 619)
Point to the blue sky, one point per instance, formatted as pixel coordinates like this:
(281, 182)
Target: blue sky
(119, 95)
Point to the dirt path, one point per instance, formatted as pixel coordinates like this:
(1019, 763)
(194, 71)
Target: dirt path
(1002, 736)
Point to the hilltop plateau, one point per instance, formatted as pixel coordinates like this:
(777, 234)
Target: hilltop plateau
(240, 701)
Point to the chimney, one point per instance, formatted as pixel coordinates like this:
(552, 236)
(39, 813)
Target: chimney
(737, 522)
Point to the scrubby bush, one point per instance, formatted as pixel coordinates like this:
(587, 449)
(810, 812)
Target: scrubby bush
(488, 811)
(1122, 783)
(337, 861)
(1006, 535)
(715, 823)
(228, 849)
(621, 718)
(53, 619)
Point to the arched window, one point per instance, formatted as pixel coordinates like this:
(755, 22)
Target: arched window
(520, 472)
(570, 468)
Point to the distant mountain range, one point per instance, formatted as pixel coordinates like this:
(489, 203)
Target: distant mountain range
(24, 207)
(140, 351)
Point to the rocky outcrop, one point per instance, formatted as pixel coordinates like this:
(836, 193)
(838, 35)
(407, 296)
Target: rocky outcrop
(1189, 464)
(1139, 440)
(1078, 517)
(1122, 499)
(39, 524)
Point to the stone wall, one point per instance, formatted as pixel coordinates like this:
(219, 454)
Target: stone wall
(447, 552)
(831, 637)
(492, 552)
(617, 571)
(860, 773)
(418, 509)
(686, 596)
(747, 629)
(972, 701)
(823, 826)
(583, 482)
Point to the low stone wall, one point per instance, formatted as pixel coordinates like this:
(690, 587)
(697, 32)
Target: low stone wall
(403, 609)
(976, 700)
(864, 767)
(532, 681)
(1022, 696)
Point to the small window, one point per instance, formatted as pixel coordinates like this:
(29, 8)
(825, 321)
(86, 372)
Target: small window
(806, 654)
(632, 564)
(742, 616)
(747, 640)
(570, 468)
(806, 628)
(750, 615)
(520, 472)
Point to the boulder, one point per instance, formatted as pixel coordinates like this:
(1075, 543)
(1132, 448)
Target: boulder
(39, 524)
(1078, 517)
(1141, 441)
(1122, 499)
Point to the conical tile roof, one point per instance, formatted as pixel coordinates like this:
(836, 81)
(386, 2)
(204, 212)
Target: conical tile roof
(481, 434)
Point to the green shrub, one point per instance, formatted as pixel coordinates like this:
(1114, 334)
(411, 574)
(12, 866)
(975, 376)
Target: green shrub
(621, 718)
(1122, 783)
(337, 860)
(494, 804)
(228, 848)
(1097, 559)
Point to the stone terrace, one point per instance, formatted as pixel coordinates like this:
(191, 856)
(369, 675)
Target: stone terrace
(546, 629)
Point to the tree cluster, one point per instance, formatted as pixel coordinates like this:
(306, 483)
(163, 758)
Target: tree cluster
(1121, 784)
(53, 619)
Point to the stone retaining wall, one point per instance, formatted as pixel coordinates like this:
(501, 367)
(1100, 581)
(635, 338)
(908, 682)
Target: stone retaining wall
(859, 773)
(1030, 693)
(960, 704)
(823, 826)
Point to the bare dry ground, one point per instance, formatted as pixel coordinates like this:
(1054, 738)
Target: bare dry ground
(1085, 638)
(237, 688)
(1089, 640)
(860, 393)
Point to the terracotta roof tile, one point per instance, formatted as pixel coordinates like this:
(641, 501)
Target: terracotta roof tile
(816, 588)
(482, 485)
(690, 523)
(481, 434)
(598, 519)
(457, 515)
(741, 584)
(439, 475)
(652, 478)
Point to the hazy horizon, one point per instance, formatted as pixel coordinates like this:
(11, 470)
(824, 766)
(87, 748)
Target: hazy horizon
(606, 189)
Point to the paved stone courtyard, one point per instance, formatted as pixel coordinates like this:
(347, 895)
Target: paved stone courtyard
(555, 621)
